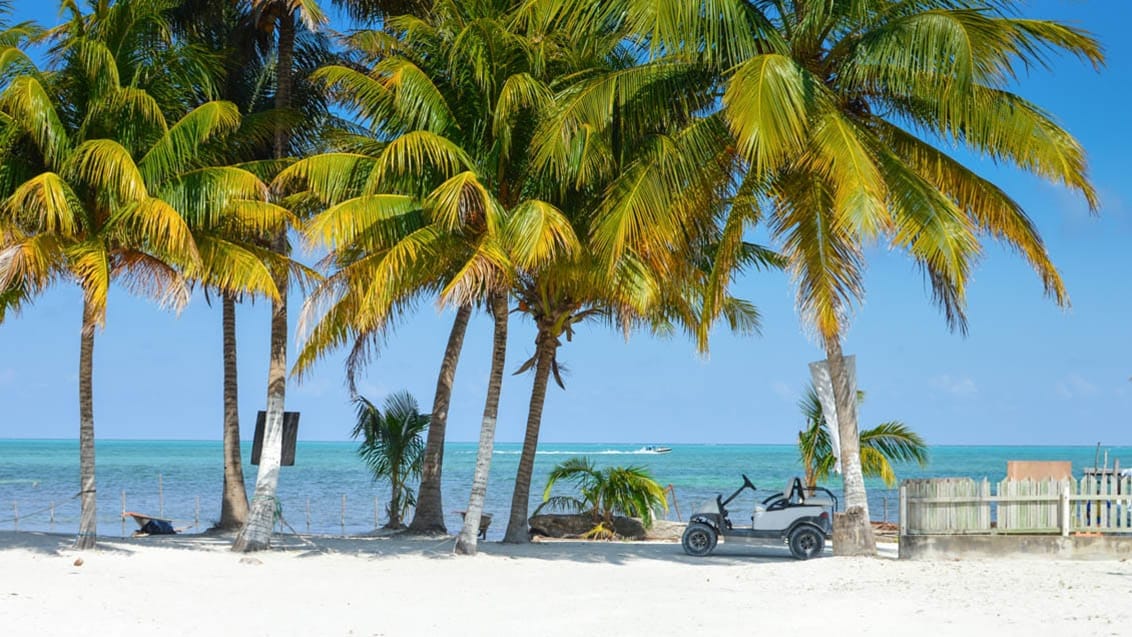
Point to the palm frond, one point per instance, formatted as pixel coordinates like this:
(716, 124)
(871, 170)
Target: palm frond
(46, 203)
(30, 106)
(537, 233)
(107, 167)
(769, 102)
(177, 150)
(332, 177)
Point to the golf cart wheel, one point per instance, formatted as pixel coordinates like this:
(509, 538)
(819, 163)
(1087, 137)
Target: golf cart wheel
(806, 542)
(699, 539)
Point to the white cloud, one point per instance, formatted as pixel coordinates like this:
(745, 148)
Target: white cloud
(1075, 386)
(783, 391)
(964, 386)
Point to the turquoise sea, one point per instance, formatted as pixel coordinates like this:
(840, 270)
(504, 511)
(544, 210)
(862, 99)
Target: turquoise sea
(181, 480)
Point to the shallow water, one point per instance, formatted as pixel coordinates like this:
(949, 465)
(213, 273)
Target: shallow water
(181, 480)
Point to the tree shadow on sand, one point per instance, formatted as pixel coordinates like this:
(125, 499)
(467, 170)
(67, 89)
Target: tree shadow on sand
(432, 547)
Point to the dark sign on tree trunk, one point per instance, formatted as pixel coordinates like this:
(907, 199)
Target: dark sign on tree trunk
(290, 435)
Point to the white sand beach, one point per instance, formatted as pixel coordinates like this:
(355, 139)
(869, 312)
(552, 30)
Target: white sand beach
(192, 585)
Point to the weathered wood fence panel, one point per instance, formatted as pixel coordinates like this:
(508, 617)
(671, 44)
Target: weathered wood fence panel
(956, 506)
(1018, 513)
(947, 505)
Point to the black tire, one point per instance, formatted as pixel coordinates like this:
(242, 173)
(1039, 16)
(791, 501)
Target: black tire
(699, 539)
(806, 542)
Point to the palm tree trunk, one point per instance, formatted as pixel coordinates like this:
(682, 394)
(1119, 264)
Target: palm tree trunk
(466, 542)
(517, 532)
(429, 516)
(234, 504)
(283, 79)
(394, 498)
(256, 534)
(853, 532)
(88, 518)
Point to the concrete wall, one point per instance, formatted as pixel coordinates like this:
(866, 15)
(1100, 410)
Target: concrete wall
(1054, 547)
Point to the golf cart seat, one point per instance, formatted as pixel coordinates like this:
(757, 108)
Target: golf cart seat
(792, 495)
(794, 492)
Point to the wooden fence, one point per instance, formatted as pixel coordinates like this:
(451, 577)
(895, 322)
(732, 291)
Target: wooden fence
(957, 506)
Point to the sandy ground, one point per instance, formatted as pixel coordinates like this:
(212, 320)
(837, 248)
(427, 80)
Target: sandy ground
(192, 585)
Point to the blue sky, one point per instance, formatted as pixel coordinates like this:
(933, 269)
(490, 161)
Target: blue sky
(1028, 372)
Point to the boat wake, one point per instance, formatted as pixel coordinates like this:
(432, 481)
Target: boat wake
(603, 452)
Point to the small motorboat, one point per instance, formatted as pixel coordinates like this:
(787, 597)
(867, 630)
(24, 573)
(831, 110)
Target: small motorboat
(656, 449)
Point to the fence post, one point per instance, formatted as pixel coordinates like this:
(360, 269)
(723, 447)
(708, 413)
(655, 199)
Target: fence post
(308, 514)
(123, 513)
(196, 513)
(1064, 517)
(903, 509)
(52, 516)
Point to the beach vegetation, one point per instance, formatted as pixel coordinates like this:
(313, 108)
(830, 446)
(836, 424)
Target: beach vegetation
(225, 37)
(888, 443)
(846, 116)
(411, 206)
(280, 28)
(100, 187)
(619, 143)
(605, 492)
(391, 447)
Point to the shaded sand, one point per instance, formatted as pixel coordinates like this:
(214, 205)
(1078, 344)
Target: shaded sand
(192, 585)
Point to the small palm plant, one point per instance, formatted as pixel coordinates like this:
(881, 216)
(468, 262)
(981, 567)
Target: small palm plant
(881, 446)
(629, 491)
(392, 447)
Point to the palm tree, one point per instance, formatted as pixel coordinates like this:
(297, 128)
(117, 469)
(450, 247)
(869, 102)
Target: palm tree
(620, 126)
(436, 186)
(226, 32)
(881, 446)
(276, 17)
(101, 189)
(838, 111)
(629, 491)
(392, 447)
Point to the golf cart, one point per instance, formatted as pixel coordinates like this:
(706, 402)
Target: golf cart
(800, 517)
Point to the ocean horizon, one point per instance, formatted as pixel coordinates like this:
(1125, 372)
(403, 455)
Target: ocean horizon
(330, 492)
